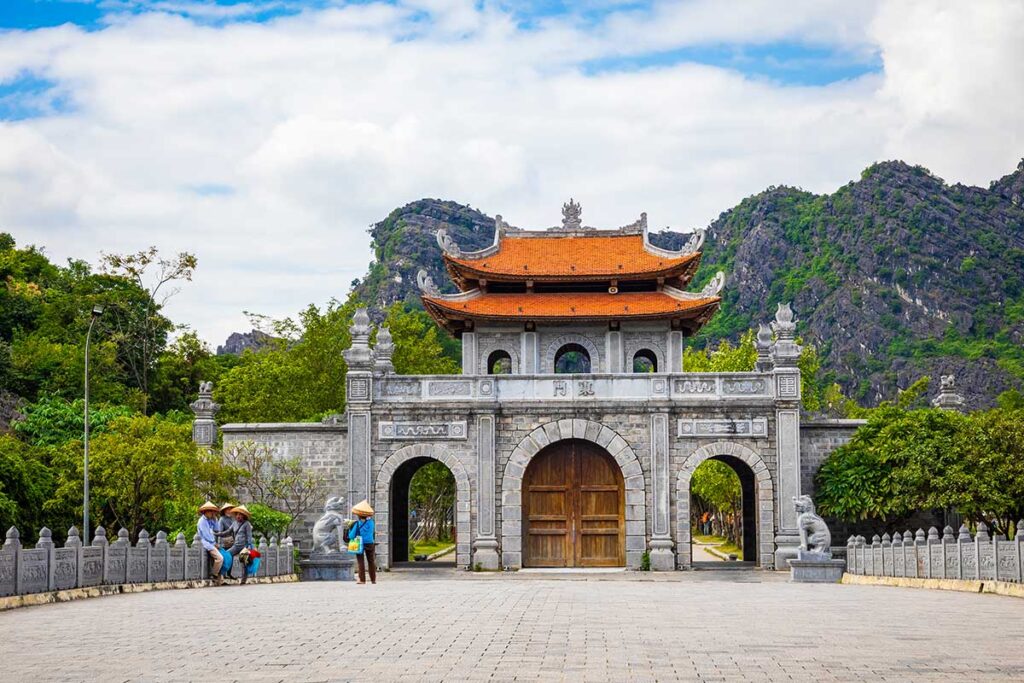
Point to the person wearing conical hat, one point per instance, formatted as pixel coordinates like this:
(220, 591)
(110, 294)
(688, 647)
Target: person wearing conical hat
(207, 528)
(242, 531)
(364, 528)
(224, 528)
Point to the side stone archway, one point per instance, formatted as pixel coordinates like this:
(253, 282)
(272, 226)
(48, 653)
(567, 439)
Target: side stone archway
(462, 499)
(764, 495)
(553, 432)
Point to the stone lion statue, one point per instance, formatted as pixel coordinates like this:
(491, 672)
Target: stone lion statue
(814, 534)
(325, 532)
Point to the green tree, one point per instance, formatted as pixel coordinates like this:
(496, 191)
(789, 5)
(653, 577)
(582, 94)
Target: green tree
(26, 483)
(432, 496)
(139, 327)
(418, 347)
(180, 369)
(53, 421)
(716, 489)
(300, 375)
(144, 472)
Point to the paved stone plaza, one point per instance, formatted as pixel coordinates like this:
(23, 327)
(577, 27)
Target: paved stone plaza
(433, 625)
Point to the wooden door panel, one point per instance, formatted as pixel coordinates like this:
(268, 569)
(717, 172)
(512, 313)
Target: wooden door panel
(600, 539)
(573, 504)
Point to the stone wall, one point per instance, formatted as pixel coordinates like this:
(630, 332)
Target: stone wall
(818, 438)
(954, 556)
(47, 567)
(322, 448)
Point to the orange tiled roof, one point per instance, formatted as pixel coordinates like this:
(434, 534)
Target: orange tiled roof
(583, 257)
(572, 306)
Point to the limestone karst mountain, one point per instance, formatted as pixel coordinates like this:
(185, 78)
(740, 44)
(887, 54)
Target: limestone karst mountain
(893, 276)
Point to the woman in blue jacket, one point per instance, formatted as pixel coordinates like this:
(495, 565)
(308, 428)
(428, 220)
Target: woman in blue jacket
(364, 528)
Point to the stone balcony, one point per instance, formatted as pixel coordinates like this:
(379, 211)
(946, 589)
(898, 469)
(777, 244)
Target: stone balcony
(697, 389)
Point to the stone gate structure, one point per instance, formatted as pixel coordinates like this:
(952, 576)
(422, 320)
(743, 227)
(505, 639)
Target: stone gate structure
(572, 432)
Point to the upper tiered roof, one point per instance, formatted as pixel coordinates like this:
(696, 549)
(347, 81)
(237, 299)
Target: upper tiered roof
(571, 273)
(570, 253)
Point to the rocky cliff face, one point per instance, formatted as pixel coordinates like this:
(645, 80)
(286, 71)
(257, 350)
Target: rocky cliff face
(237, 342)
(894, 276)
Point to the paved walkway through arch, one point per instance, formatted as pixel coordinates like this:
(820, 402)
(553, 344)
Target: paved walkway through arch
(433, 626)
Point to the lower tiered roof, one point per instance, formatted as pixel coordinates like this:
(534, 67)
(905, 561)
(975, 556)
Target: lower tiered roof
(688, 311)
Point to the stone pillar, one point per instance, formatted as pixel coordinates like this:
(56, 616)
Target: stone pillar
(382, 352)
(663, 557)
(530, 364)
(613, 349)
(485, 546)
(469, 351)
(764, 347)
(359, 399)
(204, 427)
(674, 352)
(948, 398)
(785, 353)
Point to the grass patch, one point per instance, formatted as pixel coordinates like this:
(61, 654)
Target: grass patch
(427, 548)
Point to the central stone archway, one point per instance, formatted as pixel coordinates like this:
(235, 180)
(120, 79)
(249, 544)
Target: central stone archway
(382, 499)
(551, 433)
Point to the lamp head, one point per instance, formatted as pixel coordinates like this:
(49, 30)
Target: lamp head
(97, 311)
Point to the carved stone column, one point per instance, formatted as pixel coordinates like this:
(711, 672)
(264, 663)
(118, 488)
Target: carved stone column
(785, 353)
(663, 557)
(613, 349)
(469, 360)
(949, 398)
(674, 352)
(485, 545)
(204, 427)
(530, 364)
(359, 399)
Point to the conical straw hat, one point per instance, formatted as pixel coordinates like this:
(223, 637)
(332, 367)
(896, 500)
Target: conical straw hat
(363, 508)
(208, 506)
(226, 506)
(241, 508)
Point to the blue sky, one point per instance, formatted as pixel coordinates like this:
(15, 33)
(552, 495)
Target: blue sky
(793, 62)
(266, 135)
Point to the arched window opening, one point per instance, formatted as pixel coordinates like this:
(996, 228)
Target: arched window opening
(572, 358)
(499, 363)
(645, 360)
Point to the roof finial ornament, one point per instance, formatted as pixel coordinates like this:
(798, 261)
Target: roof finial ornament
(447, 244)
(571, 215)
(715, 285)
(695, 242)
(426, 283)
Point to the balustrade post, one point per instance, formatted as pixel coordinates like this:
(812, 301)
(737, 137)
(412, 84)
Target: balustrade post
(963, 537)
(9, 557)
(1019, 537)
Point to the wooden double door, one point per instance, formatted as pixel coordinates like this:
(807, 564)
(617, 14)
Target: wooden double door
(573, 508)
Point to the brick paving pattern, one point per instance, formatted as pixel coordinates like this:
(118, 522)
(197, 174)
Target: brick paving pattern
(434, 626)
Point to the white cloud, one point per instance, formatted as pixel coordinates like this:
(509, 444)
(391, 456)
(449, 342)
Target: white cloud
(316, 125)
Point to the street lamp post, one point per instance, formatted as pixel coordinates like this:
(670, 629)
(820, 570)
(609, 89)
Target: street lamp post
(97, 311)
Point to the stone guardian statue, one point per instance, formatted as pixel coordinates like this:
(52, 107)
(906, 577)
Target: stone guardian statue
(815, 538)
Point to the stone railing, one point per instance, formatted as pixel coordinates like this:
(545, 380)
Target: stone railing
(49, 568)
(954, 556)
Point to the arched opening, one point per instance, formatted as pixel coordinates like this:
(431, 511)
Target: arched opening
(573, 508)
(572, 358)
(645, 360)
(499, 363)
(423, 494)
(723, 512)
